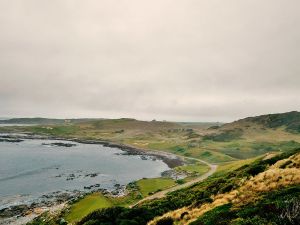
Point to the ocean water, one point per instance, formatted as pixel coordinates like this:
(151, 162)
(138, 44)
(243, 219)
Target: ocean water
(30, 169)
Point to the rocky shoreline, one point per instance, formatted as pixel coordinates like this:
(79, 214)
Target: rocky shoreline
(21, 211)
(168, 158)
(48, 202)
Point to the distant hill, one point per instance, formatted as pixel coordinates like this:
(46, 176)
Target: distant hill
(42, 121)
(213, 142)
(253, 136)
(128, 123)
(289, 120)
(98, 123)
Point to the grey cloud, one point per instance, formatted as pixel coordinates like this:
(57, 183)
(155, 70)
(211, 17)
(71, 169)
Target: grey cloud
(171, 59)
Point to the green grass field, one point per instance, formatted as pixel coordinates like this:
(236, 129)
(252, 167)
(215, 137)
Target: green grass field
(151, 185)
(197, 168)
(86, 205)
(95, 201)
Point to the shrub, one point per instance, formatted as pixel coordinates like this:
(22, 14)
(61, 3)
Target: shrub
(181, 181)
(228, 135)
(165, 221)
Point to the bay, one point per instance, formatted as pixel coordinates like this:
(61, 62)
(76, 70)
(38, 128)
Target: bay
(32, 168)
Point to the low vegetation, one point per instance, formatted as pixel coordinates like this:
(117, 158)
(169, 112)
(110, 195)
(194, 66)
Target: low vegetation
(225, 136)
(220, 190)
(135, 192)
(194, 169)
(243, 139)
(87, 205)
(257, 181)
(260, 180)
(276, 207)
(150, 186)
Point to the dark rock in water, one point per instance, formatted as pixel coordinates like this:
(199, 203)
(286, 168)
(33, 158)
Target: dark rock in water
(10, 140)
(61, 144)
(64, 144)
(71, 176)
(143, 157)
(5, 136)
(87, 187)
(117, 185)
(63, 197)
(115, 192)
(92, 175)
(14, 211)
(94, 187)
(34, 205)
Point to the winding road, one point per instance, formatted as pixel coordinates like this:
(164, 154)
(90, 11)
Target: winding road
(163, 193)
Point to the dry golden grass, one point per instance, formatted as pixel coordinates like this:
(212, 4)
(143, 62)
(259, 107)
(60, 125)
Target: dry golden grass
(291, 162)
(269, 135)
(273, 178)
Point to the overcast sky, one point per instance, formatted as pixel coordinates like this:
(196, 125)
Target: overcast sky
(182, 60)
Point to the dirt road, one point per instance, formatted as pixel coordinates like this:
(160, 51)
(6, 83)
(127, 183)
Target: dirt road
(163, 193)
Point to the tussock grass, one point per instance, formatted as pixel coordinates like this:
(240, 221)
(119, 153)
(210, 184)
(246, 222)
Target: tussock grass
(275, 177)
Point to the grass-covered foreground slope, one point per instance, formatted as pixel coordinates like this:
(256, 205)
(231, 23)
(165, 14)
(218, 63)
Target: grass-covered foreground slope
(262, 191)
(149, 186)
(264, 197)
(213, 142)
(136, 191)
(87, 205)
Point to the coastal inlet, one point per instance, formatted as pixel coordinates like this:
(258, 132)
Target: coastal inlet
(33, 170)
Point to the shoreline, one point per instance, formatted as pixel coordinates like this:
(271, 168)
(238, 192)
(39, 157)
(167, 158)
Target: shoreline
(24, 219)
(30, 211)
(170, 159)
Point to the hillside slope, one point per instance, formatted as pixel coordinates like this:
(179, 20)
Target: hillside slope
(283, 175)
(252, 194)
(255, 136)
(289, 120)
(265, 191)
(242, 139)
(258, 171)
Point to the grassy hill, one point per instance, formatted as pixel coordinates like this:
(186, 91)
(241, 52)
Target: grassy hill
(290, 121)
(257, 181)
(213, 142)
(254, 136)
(261, 191)
(40, 120)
